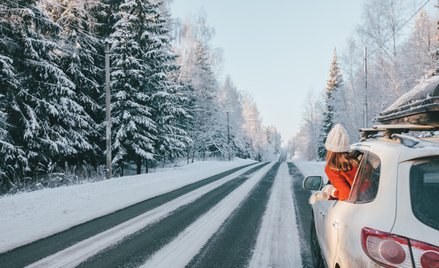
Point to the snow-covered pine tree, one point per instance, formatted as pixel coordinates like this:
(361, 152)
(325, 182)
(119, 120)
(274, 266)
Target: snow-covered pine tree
(188, 125)
(167, 100)
(105, 13)
(133, 130)
(333, 84)
(14, 162)
(82, 62)
(48, 123)
(230, 99)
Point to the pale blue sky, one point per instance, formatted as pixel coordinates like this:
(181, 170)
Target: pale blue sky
(277, 50)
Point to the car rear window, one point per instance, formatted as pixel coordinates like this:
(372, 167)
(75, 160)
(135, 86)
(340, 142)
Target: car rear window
(424, 191)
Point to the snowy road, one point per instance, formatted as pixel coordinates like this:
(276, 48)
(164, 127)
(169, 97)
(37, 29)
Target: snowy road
(303, 210)
(242, 218)
(279, 225)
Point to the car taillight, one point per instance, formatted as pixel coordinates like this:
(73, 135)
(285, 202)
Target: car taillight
(386, 249)
(391, 250)
(425, 255)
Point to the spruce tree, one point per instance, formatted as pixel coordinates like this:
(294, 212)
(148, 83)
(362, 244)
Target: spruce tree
(14, 162)
(167, 99)
(134, 131)
(48, 124)
(82, 61)
(333, 84)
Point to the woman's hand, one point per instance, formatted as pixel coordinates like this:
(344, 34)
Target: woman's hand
(330, 190)
(318, 195)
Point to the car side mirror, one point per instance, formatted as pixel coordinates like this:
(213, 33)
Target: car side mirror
(314, 183)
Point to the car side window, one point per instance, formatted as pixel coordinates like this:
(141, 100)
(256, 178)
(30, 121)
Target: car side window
(366, 182)
(424, 191)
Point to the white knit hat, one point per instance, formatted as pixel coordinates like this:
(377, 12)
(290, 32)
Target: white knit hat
(337, 140)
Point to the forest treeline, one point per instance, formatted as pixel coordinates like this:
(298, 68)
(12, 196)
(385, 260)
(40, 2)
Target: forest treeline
(167, 99)
(402, 50)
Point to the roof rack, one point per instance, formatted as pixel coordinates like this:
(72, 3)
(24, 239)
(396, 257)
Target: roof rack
(419, 106)
(388, 130)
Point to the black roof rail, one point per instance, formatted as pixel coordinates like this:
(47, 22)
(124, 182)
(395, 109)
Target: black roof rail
(388, 130)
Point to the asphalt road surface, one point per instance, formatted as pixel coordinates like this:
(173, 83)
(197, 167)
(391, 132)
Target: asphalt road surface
(303, 214)
(231, 245)
(32, 252)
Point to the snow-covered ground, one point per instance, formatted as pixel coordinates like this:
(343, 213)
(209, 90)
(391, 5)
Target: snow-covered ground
(27, 217)
(311, 168)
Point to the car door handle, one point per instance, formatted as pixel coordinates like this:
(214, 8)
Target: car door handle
(322, 212)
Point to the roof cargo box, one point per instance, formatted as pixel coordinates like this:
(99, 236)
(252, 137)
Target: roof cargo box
(418, 106)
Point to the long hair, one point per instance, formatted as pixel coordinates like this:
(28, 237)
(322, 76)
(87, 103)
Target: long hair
(340, 161)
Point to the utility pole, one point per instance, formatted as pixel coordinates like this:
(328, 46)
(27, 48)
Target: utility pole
(436, 53)
(108, 109)
(365, 89)
(228, 135)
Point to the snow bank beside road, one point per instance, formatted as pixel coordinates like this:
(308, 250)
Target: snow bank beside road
(311, 168)
(27, 217)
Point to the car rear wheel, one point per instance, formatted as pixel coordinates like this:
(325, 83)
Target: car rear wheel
(316, 254)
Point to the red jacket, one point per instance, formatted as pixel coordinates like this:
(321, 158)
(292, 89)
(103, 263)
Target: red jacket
(341, 180)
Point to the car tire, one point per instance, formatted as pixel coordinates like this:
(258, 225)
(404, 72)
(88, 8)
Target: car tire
(316, 253)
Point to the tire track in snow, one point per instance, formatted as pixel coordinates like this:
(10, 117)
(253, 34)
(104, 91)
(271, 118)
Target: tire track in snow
(278, 240)
(303, 214)
(233, 244)
(154, 209)
(133, 250)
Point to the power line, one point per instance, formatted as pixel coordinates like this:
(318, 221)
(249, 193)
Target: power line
(366, 56)
(409, 19)
(399, 28)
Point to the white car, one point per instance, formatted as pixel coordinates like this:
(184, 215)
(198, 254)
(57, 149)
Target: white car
(391, 218)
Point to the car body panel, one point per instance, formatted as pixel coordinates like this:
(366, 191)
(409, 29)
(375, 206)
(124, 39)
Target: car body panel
(349, 250)
(339, 228)
(379, 214)
(325, 234)
(430, 151)
(406, 220)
